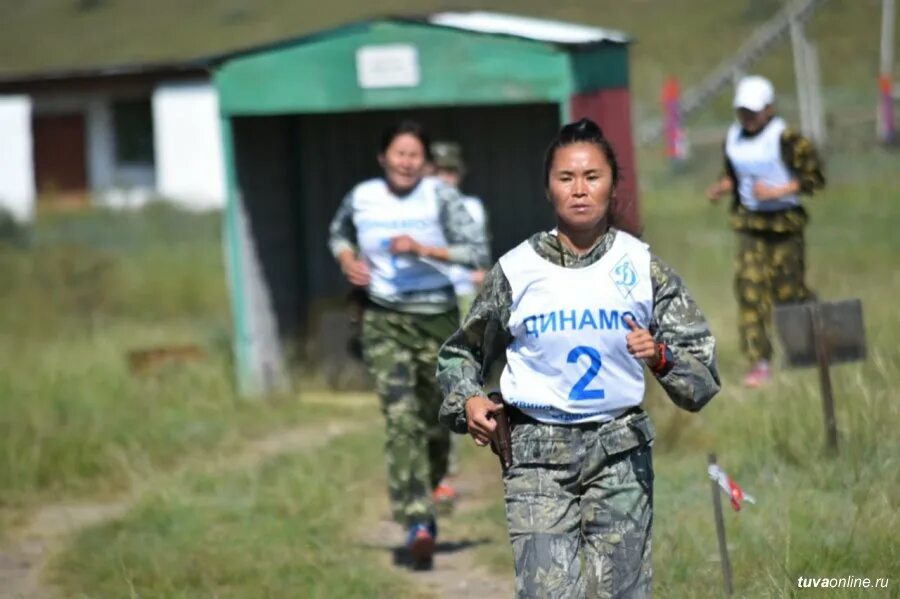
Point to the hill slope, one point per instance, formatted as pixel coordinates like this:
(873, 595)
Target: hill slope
(687, 37)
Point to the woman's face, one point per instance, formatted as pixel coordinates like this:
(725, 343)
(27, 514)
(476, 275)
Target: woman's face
(403, 162)
(580, 186)
(751, 122)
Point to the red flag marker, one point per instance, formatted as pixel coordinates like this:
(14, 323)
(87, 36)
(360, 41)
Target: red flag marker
(734, 491)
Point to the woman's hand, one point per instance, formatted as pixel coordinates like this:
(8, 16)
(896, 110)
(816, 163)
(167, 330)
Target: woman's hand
(477, 278)
(404, 244)
(355, 270)
(641, 344)
(721, 187)
(480, 418)
(767, 193)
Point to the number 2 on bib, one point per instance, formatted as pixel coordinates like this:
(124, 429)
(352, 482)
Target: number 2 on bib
(580, 390)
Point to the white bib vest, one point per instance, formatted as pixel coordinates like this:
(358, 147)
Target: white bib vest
(758, 158)
(460, 275)
(379, 215)
(475, 208)
(568, 361)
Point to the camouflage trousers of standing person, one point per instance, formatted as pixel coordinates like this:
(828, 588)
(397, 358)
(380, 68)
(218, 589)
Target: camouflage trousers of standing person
(579, 505)
(770, 270)
(400, 350)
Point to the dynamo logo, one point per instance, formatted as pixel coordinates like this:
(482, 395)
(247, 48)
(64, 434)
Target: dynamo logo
(624, 275)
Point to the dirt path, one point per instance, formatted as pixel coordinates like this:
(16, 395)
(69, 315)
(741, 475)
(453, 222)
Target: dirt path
(24, 556)
(456, 572)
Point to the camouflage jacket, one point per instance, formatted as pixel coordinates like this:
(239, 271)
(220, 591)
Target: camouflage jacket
(471, 357)
(802, 160)
(466, 241)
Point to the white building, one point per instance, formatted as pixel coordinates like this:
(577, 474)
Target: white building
(115, 137)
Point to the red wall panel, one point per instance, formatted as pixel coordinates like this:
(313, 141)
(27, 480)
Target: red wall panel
(611, 109)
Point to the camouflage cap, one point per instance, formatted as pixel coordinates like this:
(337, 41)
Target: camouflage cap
(447, 155)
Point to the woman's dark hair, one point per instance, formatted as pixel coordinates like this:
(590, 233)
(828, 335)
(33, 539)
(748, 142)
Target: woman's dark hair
(587, 131)
(584, 131)
(407, 127)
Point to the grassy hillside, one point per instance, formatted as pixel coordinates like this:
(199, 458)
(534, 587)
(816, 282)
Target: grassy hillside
(83, 293)
(686, 38)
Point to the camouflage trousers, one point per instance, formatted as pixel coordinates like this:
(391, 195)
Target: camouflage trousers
(400, 350)
(579, 506)
(770, 270)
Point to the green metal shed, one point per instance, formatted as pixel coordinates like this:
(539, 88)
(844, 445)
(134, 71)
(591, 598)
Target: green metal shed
(301, 120)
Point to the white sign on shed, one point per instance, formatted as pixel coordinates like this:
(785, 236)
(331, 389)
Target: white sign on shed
(388, 65)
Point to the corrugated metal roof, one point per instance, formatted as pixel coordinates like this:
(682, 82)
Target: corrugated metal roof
(544, 30)
(480, 22)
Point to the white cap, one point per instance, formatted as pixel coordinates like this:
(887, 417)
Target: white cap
(754, 93)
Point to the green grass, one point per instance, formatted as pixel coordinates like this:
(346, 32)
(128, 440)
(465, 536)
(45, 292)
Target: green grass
(87, 290)
(75, 422)
(817, 516)
(82, 291)
(284, 530)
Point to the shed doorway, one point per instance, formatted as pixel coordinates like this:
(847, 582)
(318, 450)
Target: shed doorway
(60, 159)
(294, 170)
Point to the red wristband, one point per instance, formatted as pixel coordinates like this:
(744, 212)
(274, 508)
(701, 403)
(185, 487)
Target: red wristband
(661, 365)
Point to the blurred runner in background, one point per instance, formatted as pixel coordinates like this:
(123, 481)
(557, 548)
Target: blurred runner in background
(767, 168)
(394, 236)
(449, 167)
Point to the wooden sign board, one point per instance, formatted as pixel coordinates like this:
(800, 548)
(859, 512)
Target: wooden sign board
(842, 329)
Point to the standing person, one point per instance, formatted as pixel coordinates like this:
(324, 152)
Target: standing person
(577, 312)
(767, 168)
(449, 167)
(393, 236)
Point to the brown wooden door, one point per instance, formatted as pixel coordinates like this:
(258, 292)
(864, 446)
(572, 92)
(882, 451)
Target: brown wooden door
(60, 161)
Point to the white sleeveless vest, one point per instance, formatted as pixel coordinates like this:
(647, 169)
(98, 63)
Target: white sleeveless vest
(568, 361)
(758, 158)
(475, 208)
(379, 215)
(461, 276)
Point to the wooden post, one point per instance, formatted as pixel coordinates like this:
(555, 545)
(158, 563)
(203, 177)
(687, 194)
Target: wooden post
(821, 345)
(801, 74)
(809, 88)
(887, 37)
(885, 73)
(814, 95)
(720, 530)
